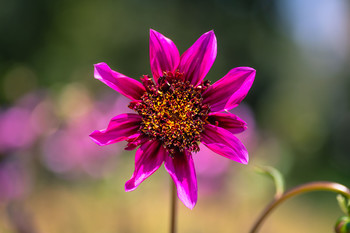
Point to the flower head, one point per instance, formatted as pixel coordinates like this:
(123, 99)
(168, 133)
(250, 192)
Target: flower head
(176, 111)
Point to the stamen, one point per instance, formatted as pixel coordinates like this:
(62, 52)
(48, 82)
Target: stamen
(172, 112)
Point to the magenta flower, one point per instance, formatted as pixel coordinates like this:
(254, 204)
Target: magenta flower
(176, 111)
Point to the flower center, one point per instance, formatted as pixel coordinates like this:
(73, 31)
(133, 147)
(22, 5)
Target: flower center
(172, 112)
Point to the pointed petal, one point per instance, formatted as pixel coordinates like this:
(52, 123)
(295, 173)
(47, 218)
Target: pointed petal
(228, 121)
(182, 171)
(119, 82)
(163, 53)
(229, 91)
(119, 128)
(224, 143)
(148, 158)
(196, 62)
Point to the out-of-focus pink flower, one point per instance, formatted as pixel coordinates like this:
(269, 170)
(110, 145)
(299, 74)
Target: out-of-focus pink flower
(212, 170)
(20, 128)
(13, 179)
(250, 136)
(20, 125)
(16, 131)
(176, 111)
(70, 153)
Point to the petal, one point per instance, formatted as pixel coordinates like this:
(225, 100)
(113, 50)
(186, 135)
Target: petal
(224, 143)
(136, 140)
(119, 82)
(148, 158)
(182, 171)
(163, 53)
(228, 121)
(196, 62)
(229, 91)
(119, 128)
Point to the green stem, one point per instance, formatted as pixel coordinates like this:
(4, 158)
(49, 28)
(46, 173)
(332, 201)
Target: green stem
(309, 187)
(173, 208)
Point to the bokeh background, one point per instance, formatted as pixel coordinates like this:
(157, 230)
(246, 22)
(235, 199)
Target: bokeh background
(53, 178)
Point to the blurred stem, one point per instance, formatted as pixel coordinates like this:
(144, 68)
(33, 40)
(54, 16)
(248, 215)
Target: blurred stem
(304, 188)
(173, 207)
(276, 176)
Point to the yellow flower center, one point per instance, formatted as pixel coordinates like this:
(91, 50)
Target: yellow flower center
(173, 113)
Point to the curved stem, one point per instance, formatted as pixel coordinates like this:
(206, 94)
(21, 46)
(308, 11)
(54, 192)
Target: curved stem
(173, 207)
(308, 187)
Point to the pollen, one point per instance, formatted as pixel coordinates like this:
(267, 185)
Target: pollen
(172, 112)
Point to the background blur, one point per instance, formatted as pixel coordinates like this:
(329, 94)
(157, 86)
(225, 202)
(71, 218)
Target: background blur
(53, 178)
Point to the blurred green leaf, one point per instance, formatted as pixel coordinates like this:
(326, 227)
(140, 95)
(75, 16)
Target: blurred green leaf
(344, 204)
(275, 175)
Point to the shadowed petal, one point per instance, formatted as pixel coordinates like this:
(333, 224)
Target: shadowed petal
(136, 140)
(148, 158)
(228, 121)
(196, 62)
(119, 128)
(119, 82)
(229, 91)
(163, 53)
(182, 171)
(224, 143)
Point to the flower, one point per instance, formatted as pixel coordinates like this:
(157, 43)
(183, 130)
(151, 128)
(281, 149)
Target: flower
(22, 124)
(176, 111)
(21, 127)
(14, 179)
(16, 131)
(69, 154)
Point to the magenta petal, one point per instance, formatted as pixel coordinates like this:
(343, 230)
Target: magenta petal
(229, 91)
(136, 140)
(163, 53)
(119, 128)
(196, 62)
(119, 82)
(149, 157)
(228, 121)
(182, 171)
(224, 143)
